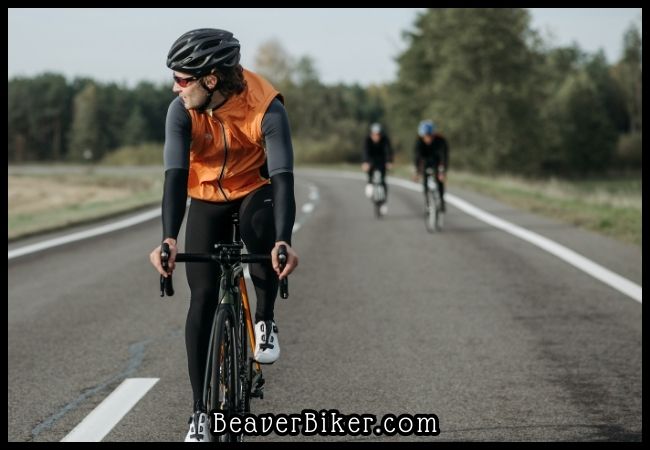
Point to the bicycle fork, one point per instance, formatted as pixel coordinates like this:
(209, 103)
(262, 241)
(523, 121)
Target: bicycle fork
(257, 383)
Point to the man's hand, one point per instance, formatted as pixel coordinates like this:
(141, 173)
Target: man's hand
(156, 261)
(441, 174)
(365, 167)
(415, 174)
(292, 260)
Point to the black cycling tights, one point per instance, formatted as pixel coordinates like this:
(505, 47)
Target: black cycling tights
(207, 224)
(440, 184)
(382, 169)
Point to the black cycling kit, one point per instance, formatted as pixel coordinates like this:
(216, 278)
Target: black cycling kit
(377, 154)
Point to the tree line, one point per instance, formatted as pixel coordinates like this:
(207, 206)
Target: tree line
(506, 100)
(510, 102)
(50, 119)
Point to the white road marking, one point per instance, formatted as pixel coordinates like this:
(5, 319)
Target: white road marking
(597, 271)
(108, 413)
(37, 247)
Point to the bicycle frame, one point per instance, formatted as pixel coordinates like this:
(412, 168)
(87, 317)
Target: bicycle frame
(378, 196)
(432, 195)
(233, 302)
(227, 299)
(248, 317)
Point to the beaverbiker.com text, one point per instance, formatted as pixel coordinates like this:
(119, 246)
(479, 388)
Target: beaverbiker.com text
(325, 423)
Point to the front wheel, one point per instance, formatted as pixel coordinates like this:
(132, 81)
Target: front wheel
(440, 219)
(378, 210)
(378, 199)
(439, 214)
(431, 217)
(245, 366)
(223, 378)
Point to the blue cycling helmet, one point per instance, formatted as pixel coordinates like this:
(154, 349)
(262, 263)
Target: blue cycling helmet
(426, 127)
(375, 128)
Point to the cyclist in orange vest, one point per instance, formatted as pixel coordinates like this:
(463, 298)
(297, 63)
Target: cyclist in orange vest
(228, 147)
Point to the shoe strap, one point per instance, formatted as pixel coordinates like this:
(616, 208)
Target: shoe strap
(196, 435)
(268, 327)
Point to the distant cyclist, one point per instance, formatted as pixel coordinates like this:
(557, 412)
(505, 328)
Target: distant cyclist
(227, 146)
(377, 154)
(431, 150)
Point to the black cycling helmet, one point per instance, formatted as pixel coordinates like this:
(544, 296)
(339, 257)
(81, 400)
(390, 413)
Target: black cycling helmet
(197, 52)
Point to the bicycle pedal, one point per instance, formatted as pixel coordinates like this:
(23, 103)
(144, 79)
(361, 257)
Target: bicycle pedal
(258, 386)
(258, 392)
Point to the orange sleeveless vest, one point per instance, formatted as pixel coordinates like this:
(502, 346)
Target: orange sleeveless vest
(227, 151)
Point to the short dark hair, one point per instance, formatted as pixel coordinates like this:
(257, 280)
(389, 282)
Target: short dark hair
(231, 80)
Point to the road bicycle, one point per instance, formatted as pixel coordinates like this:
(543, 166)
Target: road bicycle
(232, 377)
(434, 217)
(378, 196)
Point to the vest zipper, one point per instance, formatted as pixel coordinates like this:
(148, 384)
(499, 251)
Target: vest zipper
(225, 158)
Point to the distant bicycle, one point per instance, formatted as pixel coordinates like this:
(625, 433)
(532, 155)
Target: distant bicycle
(232, 377)
(378, 194)
(434, 217)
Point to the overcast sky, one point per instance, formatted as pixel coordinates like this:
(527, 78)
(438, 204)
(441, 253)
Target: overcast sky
(347, 45)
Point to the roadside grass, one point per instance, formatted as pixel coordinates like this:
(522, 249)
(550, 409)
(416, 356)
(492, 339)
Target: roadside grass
(612, 207)
(50, 199)
(45, 202)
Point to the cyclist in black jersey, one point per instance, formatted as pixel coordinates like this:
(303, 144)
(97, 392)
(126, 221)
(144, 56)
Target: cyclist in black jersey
(227, 146)
(431, 150)
(377, 154)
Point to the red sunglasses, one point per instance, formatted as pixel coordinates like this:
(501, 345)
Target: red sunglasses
(183, 82)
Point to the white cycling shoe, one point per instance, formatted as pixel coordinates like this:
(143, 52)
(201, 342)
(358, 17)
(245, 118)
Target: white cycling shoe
(368, 190)
(203, 433)
(267, 346)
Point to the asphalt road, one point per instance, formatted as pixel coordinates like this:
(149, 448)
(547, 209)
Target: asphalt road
(499, 339)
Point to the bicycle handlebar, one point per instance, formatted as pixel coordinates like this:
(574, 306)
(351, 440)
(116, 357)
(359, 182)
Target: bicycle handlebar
(226, 254)
(225, 258)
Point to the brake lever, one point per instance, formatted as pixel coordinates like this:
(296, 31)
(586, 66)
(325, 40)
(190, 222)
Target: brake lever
(284, 283)
(166, 285)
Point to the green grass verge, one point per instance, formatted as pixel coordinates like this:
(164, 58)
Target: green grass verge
(612, 207)
(134, 190)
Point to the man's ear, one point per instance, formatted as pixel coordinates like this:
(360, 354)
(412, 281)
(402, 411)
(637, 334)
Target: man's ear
(211, 81)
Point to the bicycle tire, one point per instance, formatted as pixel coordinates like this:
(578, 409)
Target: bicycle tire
(378, 210)
(430, 220)
(378, 199)
(245, 362)
(439, 213)
(223, 377)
